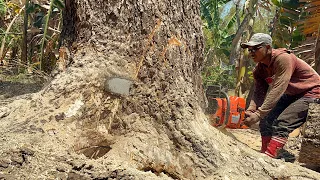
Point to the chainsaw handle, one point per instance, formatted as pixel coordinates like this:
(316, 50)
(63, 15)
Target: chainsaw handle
(228, 107)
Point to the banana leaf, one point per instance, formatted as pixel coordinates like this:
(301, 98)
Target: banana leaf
(288, 4)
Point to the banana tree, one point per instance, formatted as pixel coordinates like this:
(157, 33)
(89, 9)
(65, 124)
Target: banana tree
(53, 4)
(285, 30)
(214, 34)
(298, 29)
(243, 33)
(245, 30)
(39, 32)
(44, 30)
(311, 28)
(220, 22)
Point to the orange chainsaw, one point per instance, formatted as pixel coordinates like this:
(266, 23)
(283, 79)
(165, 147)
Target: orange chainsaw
(223, 110)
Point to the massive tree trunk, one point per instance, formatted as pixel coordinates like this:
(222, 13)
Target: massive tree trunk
(310, 148)
(317, 55)
(78, 128)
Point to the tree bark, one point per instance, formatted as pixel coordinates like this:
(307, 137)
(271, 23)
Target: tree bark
(77, 128)
(311, 137)
(317, 54)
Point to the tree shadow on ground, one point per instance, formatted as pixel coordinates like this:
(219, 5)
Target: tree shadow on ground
(10, 89)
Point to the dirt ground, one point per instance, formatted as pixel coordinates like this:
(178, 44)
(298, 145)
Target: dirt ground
(290, 153)
(10, 90)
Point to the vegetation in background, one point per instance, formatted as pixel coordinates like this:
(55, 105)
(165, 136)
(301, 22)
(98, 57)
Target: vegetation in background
(10, 36)
(3, 9)
(293, 24)
(35, 35)
(220, 22)
(225, 20)
(296, 26)
(219, 28)
(286, 32)
(219, 76)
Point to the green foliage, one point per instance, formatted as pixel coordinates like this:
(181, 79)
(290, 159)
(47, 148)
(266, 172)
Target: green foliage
(205, 14)
(219, 19)
(59, 4)
(287, 33)
(3, 9)
(42, 39)
(53, 4)
(39, 19)
(228, 16)
(32, 8)
(219, 28)
(262, 23)
(45, 41)
(13, 39)
(45, 34)
(288, 4)
(223, 76)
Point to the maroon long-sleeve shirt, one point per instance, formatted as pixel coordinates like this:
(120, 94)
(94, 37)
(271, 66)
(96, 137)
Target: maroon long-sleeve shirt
(286, 74)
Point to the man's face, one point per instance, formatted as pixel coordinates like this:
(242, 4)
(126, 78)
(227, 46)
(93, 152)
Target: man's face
(258, 52)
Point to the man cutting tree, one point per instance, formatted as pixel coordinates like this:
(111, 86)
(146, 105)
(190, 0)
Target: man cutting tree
(284, 87)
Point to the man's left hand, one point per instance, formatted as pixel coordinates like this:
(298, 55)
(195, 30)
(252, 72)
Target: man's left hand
(251, 119)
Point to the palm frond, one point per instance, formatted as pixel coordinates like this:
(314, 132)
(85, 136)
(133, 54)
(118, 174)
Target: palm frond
(312, 16)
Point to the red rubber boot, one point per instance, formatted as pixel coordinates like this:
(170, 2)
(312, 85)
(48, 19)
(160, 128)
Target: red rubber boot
(264, 143)
(276, 143)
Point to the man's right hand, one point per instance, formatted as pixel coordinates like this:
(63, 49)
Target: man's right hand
(251, 119)
(249, 111)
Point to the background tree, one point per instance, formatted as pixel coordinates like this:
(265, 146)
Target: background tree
(79, 127)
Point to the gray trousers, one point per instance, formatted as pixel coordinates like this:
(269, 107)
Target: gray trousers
(289, 113)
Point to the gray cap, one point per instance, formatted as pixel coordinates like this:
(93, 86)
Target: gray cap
(258, 38)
